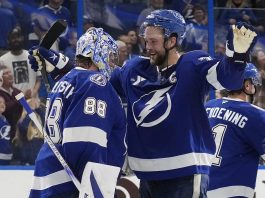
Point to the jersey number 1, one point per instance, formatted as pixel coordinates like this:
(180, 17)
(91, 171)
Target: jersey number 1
(218, 134)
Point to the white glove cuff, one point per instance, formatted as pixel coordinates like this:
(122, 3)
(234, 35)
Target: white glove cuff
(63, 60)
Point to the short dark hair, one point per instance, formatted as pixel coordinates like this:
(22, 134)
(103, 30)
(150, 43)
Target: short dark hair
(82, 61)
(16, 32)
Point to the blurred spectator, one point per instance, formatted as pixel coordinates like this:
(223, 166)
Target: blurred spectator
(46, 16)
(6, 4)
(126, 39)
(70, 50)
(187, 11)
(8, 22)
(154, 5)
(8, 92)
(259, 61)
(219, 50)
(221, 32)
(186, 6)
(5, 143)
(123, 53)
(136, 46)
(95, 10)
(31, 139)
(23, 10)
(259, 12)
(104, 14)
(88, 23)
(197, 30)
(237, 10)
(25, 79)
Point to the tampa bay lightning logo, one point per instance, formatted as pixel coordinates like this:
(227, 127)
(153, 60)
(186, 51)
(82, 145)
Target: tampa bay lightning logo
(99, 79)
(4, 132)
(152, 108)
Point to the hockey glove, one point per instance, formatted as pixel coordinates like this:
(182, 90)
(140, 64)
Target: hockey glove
(52, 59)
(240, 40)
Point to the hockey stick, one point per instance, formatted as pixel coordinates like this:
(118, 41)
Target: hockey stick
(20, 97)
(47, 41)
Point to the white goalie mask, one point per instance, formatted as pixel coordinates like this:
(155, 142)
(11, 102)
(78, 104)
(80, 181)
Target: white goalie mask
(100, 47)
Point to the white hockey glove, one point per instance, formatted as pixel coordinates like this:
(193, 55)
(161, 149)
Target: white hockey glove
(240, 40)
(52, 59)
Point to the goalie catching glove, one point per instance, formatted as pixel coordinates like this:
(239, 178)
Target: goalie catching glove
(240, 40)
(39, 55)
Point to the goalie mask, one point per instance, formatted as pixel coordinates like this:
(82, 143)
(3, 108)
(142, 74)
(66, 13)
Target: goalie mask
(100, 47)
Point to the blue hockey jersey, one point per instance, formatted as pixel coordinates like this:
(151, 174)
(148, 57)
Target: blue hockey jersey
(239, 131)
(5, 142)
(168, 130)
(86, 120)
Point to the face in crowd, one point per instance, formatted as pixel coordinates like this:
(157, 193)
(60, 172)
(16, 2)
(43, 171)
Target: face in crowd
(2, 105)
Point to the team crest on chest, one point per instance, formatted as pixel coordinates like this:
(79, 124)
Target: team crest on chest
(99, 79)
(4, 132)
(152, 108)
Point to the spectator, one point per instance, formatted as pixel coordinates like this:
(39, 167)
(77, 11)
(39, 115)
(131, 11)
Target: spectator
(258, 8)
(219, 50)
(88, 23)
(126, 39)
(23, 10)
(6, 152)
(197, 30)
(154, 5)
(136, 46)
(186, 6)
(123, 53)
(96, 11)
(17, 61)
(8, 23)
(259, 60)
(237, 10)
(31, 139)
(46, 16)
(8, 92)
(238, 129)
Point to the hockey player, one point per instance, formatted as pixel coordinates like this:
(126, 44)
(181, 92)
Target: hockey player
(238, 129)
(170, 143)
(84, 117)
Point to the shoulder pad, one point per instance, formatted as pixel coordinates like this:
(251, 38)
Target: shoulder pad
(137, 61)
(198, 56)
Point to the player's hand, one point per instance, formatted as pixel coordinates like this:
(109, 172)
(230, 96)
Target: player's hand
(39, 55)
(240, 40)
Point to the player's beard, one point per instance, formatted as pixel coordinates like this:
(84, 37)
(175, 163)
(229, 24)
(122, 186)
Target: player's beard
(158, 59)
